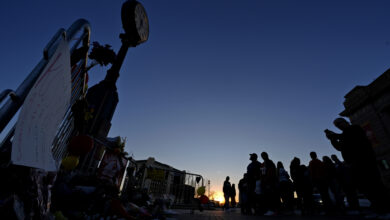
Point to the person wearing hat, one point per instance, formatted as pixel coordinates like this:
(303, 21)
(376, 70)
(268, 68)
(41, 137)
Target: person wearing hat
(253, 173)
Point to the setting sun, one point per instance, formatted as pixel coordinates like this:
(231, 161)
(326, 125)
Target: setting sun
(218, 196)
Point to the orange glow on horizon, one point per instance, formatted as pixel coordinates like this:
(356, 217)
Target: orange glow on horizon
(218, 196)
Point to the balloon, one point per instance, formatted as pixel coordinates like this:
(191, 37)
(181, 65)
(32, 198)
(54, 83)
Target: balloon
(201, 190)
(117, 150)
(203, 199)
(80, 145)
(70, 162)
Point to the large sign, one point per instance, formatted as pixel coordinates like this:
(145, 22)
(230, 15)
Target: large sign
(42, 112)
(156, 174)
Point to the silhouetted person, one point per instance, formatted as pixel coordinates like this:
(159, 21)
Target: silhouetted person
(334, 185)
(243, 188)
(233, 195)
(285, 187)
(260, 207)
(303, 186)
(226, 192)
(357, 152)
(268, 182)
(253, 172)
(348, 186)
(319, 179)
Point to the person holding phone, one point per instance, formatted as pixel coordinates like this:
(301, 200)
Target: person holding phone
(358, 154)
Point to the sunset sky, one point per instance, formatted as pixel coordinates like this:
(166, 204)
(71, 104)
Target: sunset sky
(219, 79)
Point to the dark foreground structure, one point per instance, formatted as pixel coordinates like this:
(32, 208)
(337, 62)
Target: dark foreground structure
(236, 215)
(369, 107)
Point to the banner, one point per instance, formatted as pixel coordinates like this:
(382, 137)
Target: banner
(42, 112)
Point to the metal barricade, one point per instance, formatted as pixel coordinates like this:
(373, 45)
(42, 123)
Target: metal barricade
(164, 182)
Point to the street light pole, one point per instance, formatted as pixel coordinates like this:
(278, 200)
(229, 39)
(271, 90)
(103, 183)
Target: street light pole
(103, 97)
(208, 183)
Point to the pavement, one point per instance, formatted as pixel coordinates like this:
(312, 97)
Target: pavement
(235, 214)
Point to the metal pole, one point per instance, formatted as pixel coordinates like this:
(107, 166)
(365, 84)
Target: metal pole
(113, 73)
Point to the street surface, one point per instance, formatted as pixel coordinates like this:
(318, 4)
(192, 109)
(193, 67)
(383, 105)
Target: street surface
(235, 214)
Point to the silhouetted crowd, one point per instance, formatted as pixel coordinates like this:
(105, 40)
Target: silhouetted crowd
(319, 188)
(229, 192)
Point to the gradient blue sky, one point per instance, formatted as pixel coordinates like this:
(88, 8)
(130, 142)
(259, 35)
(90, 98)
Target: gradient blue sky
(219, 79)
